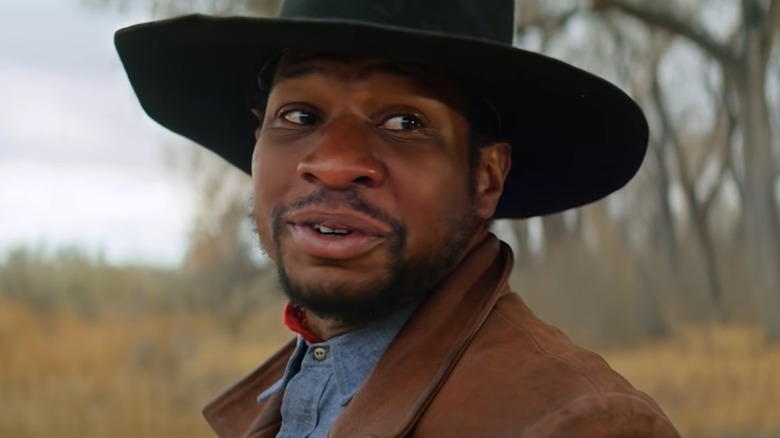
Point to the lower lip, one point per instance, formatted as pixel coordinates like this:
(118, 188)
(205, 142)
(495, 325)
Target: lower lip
(332, 247)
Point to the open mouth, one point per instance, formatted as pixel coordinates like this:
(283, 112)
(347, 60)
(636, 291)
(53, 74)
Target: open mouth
(328, 231)
(335, 233)
(333, 241)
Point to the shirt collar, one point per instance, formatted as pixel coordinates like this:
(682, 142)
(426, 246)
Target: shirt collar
(353, 354)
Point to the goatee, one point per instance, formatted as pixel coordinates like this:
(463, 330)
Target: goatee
(398, 282)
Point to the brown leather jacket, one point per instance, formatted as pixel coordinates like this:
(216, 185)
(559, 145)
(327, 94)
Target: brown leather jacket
(473, 361)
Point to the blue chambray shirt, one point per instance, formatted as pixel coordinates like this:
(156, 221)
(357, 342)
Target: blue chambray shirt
(321, 379)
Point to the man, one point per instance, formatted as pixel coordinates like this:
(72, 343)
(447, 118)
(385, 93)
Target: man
(387, 136)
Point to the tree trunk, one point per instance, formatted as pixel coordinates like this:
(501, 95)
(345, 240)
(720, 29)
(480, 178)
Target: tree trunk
(667, 230)
(759, 204)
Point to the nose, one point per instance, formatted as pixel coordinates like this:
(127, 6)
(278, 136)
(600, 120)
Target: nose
(342, 156)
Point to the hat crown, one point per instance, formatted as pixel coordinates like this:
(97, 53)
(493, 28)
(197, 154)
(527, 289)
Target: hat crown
(483, 19)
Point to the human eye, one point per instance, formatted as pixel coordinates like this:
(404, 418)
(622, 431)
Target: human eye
(299, 116)
(402, 122)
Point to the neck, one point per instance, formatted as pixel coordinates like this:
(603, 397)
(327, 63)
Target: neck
(327, 328)
(476, 240)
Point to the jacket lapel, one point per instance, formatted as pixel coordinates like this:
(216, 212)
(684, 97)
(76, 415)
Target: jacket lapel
(423, 354)
(268, 423)
(236, 412)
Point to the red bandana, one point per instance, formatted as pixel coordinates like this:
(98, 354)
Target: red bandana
(295, 319)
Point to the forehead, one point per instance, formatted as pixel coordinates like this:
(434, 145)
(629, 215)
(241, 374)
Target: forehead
(429, 81)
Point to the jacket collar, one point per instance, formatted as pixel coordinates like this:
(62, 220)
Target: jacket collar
(231, 413)
(422, 356)
(428, 347)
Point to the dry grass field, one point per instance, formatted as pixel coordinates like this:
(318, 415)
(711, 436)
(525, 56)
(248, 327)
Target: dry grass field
(147, 376)
(714, 384)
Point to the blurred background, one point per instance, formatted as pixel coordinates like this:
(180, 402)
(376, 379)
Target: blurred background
(132, 289)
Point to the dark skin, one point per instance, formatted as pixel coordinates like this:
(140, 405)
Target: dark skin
(396, 138)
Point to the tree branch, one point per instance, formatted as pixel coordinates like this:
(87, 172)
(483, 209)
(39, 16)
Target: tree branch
(772, 29)
(662, 20)
(725, 168)
(549, 25)
(774, 17)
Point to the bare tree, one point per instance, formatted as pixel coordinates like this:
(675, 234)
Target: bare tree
(699, 166)
(744, 60)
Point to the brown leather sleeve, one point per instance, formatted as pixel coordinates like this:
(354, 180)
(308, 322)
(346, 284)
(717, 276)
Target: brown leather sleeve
(604, 416)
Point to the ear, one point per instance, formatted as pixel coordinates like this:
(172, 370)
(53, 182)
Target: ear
(489, 176)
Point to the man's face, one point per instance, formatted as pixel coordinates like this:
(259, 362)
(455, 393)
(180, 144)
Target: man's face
(364, 195)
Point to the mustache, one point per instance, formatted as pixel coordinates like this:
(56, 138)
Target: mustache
(349, 198)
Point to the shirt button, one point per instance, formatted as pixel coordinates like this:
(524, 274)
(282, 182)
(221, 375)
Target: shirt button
(320, 353)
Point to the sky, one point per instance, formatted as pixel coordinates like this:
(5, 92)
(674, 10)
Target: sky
(80, 163)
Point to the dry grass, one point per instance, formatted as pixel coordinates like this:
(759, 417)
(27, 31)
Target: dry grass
(116, 376)
(719, 383)
(122, 376)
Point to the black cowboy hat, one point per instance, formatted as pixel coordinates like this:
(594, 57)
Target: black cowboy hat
(575, 137)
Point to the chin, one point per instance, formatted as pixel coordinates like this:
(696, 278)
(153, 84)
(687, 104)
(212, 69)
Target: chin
(348, 301)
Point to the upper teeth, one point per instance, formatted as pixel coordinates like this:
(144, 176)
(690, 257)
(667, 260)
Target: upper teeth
(324, 229)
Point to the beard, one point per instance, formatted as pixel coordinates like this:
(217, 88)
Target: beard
(398, 283)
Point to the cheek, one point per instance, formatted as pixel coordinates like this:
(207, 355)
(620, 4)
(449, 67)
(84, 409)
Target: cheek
(273, 173)
(430, 198)
(269, 182)
(435, 183)
(263, 220)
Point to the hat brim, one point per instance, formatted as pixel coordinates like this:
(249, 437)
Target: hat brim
(575, 137)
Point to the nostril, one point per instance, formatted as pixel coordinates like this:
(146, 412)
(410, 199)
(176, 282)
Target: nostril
(309, 177)
(363, 180)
